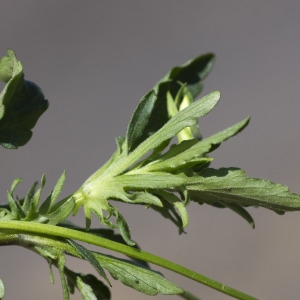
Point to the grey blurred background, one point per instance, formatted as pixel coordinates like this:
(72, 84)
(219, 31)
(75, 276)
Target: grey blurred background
(94, 60)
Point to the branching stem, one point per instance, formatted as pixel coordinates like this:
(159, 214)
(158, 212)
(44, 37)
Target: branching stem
(13, 227)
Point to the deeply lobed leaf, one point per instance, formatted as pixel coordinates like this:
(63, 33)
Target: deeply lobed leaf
(28, 209)
(191, 152)
(231, 185)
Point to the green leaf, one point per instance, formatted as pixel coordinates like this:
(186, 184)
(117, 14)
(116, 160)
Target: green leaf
(88, 285)
(189, 296)
(192, 73)
(49, 212)
(144, 198)
(242, 212)
(157, 180)
(123, 227)
(211, 143)
(14, 184)
(151, 113)
(185, 118)
(86, 290)
(118, 154)
(91, 288)
(139, 278)
(48, 203)
(230, 185)
(60, 211)
(13, 206)
(21, 103)
(179, 205)
(183, 99)
(139, 120)
(156, 153)
(169, 212)
(35, 200)
(54, 256)
(29, 196)
(89, 256)
(190, 152)
(2, 289)
(61, 261)
(9, 66)
(178, 158)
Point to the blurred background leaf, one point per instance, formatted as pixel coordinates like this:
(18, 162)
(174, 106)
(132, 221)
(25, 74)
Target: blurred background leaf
(21, 104)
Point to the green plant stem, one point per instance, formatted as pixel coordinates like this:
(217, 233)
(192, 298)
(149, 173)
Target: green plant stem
(13, 227)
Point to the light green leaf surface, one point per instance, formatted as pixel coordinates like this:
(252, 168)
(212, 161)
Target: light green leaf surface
(183, 99)
(144, 198)
(231, 185)
(10, 67)
(211, 143)
(28, 208)
(190, 152)
(60, 211)
(123, 227)
(86, 290)
(178, 204)
(157, 180)
(141, 279)
(48, 203)
(91, 288)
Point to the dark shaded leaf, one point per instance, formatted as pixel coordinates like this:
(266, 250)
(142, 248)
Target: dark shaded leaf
(21, 104)
(169, 212)
(192, 74)
(242, 212)
(151, 114)
(91, 288)
(139, 120)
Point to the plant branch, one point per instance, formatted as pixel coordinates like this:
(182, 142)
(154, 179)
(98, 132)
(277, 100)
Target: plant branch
(12, 227)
